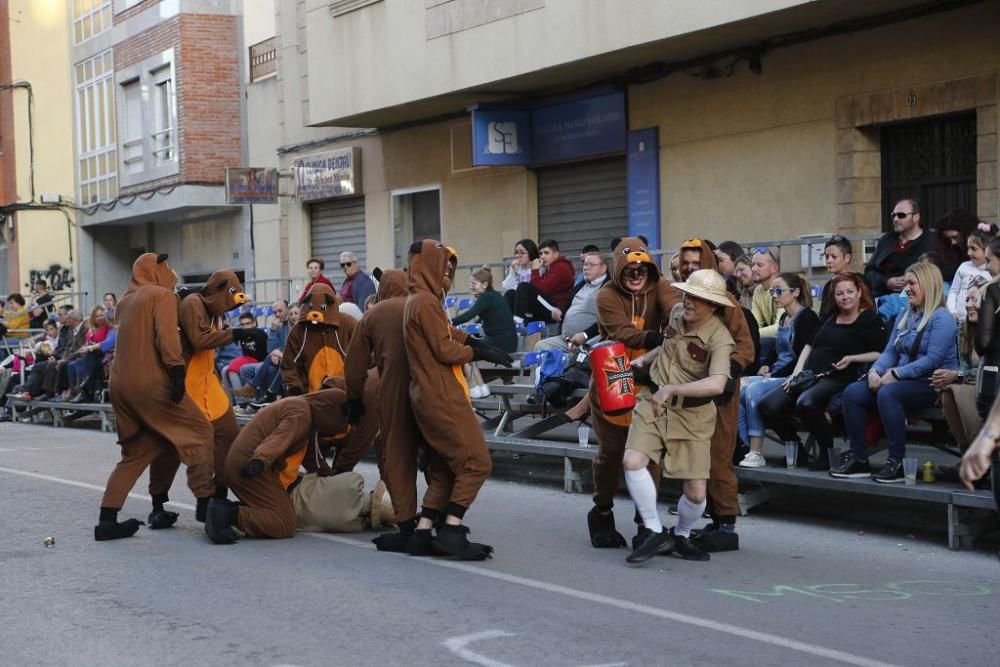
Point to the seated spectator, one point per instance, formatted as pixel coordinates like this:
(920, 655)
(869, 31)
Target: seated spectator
(921, 341)
(72, 335)
(958, 387)
(796, 329)
(764, 268)
(314, 269)
(951, 239)
(519, 271)
(263, 380)
(837, 255)
(88, 357)
(975, 267)
(50, 337)
(550, 286)
(743, 286)
(579, 323)
(891, 305)
(497, 321)
(675, 267)
(348, 308)
(110, 302)
(16, 316)
(897, 249)
(846, 343)
(987, 339)
(358, 285)
(41, 306)
(253, 349)
(587, 249)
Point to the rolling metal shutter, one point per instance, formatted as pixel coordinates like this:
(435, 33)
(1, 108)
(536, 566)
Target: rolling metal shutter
(336, 226)
(581, 203)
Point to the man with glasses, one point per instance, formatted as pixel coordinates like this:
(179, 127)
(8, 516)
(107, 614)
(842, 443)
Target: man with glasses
(898, 249)
(358, 285)
(765, 266)
(579, 323)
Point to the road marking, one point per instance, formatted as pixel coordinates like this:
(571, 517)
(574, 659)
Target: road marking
(586, 596)
(458, 646)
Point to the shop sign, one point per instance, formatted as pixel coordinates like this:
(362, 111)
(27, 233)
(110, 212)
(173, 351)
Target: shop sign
(643, 162)
(251, 185)
(327, 175)
(550, 131)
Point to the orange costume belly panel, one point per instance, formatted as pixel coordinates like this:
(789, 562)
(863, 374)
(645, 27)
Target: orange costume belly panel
(290, 472)
(326, 363)
(203, 385)
(456, 369)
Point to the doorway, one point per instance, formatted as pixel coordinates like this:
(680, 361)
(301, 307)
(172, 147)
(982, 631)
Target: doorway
(416, 215)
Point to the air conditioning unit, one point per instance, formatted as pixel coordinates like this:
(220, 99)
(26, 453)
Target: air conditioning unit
(812, 254)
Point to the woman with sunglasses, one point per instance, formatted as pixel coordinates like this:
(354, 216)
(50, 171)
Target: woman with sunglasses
(847, 341)
(898, 383)
(796, 328)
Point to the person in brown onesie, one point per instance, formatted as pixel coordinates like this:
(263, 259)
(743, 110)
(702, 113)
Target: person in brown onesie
(631, 307)
(155, 416)
(263, 465)
(378, 339)
(723, 487)
(316, 349)
(202, 332)
(460, 462)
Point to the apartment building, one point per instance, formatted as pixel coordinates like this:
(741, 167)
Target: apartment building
(484, 121)
(158, 116)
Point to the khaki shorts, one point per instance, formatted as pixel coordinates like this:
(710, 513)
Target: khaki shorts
(682, 459)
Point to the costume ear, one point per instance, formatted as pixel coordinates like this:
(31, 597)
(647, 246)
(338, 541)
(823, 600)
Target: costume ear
(161, 258)
(221, 285)
(415, 247)
(331, 299)
(377, 272)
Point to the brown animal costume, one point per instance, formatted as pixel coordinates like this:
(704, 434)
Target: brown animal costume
(201, 320)
(635, 320)
(439, 394)
(723, 487)
(155, 416)
(378, 339)
(263, 465)
(316, 349)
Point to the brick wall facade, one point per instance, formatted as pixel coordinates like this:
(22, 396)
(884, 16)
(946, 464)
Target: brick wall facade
(8, 175)
(207, 83)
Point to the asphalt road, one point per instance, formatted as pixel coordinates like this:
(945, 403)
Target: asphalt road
(801, 591)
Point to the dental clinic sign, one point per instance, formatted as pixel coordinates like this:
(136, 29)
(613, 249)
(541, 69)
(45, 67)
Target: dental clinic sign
(584, 126)
(327, 175)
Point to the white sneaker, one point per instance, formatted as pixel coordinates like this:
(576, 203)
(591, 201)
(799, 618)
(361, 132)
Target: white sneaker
(484, 390)
(753, 460)
(475, 392)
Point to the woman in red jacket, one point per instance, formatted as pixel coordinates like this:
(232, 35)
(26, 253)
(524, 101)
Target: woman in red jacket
(545, 298)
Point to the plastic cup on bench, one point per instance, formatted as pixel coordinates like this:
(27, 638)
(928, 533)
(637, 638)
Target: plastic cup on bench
(583, 435)
(910, 467)
(791, 454)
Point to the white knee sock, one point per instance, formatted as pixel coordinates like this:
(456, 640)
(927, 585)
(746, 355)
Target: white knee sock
(643, 492)
(687, 514)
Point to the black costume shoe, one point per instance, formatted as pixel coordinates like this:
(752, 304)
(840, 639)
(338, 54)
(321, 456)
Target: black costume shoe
(220, 521)
(660, 542)
(713, 540)
(159, 519)
(113, 530)
(420, 543)
(396, 542)
(602, 530)
(687, 549)
(201, 509)
(454, 541)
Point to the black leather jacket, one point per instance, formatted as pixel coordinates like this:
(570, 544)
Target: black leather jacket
(988, 327)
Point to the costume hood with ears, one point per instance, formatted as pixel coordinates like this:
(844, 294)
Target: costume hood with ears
(432, 267)
(152, 269)
(392, 283)
(328, 418)
(708, 258)
(222, 292)
(631, 253)
(320, 307)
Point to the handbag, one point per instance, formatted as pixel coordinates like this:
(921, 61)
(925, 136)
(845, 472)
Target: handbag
(805, 380)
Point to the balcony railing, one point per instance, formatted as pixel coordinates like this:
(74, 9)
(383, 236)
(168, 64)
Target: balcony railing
(263, 59)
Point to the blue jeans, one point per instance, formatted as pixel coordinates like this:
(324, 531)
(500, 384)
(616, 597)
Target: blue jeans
(751, 423)
(80, 369)
(892, 402)
(265, 376)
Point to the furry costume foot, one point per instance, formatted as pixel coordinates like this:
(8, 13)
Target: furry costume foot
(161, 519)
(602, 530)
(420, 543)
(396, 541)
(112, 530)
(454, 541)
(220, 521)
(201, 509)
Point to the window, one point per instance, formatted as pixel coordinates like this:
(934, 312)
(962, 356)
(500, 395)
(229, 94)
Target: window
(90, 18)
(148, 124)
(97, 153)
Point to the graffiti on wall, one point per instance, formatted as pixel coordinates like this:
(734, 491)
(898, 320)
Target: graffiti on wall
(58, 278)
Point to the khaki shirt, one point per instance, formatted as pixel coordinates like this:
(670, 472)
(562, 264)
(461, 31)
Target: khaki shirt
(688, 357)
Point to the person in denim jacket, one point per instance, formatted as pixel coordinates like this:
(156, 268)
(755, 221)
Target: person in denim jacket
(923, 340)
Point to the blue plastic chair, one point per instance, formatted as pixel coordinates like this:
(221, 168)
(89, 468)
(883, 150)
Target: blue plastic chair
(450, 302)
(465, 304)
(473, 328)
(536, 327)
(532, 359)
